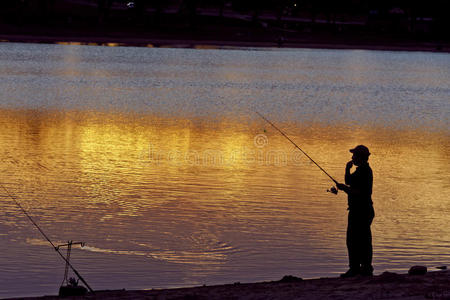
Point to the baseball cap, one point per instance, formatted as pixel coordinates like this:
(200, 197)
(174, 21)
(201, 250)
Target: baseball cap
(360, 150)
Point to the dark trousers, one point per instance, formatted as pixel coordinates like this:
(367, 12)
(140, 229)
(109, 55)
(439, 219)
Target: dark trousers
(359, 239)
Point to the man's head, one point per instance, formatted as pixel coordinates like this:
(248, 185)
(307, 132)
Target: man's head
(360, 154)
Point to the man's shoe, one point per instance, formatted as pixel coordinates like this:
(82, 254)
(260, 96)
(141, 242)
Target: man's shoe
(367, 271)
(350, 273)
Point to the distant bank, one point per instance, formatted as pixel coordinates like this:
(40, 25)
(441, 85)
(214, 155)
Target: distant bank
(378, 25)
(217, 38)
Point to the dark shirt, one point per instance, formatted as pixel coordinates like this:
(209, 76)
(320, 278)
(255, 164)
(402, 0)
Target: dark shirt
(360, 182)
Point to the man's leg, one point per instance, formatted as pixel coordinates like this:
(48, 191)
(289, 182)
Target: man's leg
(352, 247)
(366, 245)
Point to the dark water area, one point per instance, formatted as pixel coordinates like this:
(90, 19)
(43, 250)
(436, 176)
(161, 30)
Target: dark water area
(156, 159)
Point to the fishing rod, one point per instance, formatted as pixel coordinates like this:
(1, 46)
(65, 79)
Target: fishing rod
(47, 238)
(306, 154)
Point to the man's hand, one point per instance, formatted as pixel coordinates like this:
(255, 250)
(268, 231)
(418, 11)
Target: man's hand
(341, 186)
(349, 165)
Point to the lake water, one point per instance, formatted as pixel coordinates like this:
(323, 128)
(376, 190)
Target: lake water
(156, 159)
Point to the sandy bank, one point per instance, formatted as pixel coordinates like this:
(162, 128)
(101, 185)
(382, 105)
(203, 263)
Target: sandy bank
(433, 285)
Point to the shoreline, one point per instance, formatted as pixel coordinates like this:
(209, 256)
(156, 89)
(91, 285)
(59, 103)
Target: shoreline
(432, 285)
(207, 42)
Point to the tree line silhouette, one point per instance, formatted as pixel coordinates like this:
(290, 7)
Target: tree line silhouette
(427, 18)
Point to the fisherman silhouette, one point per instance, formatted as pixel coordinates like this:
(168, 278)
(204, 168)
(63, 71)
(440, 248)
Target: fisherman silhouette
(358, 186)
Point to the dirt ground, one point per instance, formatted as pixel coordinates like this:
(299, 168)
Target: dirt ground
(433, 285)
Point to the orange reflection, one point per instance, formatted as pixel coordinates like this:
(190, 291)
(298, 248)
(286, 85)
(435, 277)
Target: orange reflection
(118, 166)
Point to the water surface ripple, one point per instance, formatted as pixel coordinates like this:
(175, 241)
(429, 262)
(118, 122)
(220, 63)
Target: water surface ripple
(155, 159)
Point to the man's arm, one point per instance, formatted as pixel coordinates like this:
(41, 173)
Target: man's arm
(363, 186)
(346, 187)
(347, 172)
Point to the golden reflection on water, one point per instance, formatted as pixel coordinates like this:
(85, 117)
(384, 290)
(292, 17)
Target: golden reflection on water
(219, 188)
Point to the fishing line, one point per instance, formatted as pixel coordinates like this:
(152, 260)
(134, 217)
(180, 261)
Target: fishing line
(333, 189)
(306, 154)
(47, 238)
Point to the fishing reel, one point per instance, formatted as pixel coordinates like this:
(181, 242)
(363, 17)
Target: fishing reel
(333, 190)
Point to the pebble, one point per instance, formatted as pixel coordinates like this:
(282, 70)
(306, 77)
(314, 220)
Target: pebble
(417, 270)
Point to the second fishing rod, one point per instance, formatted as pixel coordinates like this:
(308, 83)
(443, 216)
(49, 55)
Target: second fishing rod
(56, 248)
